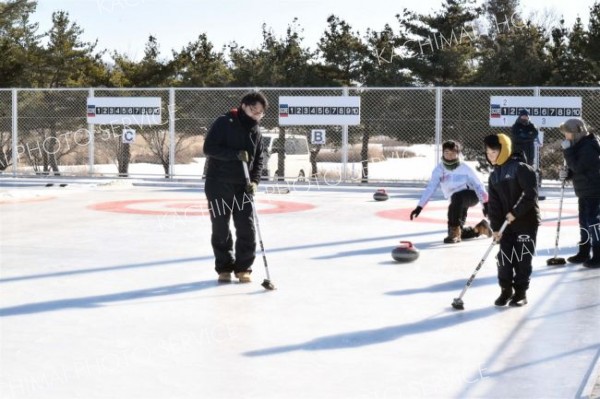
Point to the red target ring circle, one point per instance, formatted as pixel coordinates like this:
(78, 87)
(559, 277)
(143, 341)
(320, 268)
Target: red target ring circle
(475, 215)
(186, 207)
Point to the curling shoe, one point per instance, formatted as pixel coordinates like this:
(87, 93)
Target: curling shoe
(224, 277)
(454, 233)
(483, 228)
(243, 277)
(518, 299)
(583, 254)
(504, 297)
(594, 262)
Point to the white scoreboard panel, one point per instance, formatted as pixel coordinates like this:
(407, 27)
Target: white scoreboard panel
(543, 111)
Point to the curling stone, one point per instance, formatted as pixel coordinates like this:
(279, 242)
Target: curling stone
(380, 195)
(405, 252)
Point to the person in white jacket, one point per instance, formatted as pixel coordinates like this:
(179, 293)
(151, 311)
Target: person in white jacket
(459, 183)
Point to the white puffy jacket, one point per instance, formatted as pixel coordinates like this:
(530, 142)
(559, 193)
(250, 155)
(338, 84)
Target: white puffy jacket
(452, 181)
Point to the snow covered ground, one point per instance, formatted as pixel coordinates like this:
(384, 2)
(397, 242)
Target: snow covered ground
(394, 168)
(108, 291)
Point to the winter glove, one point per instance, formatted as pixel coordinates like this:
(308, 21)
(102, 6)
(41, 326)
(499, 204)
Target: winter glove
(486, 209)
(565, 144)
(251, 188)
(563, 174)
(415, 213)
(243, 156)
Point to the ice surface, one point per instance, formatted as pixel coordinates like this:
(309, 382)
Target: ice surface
(104, 304)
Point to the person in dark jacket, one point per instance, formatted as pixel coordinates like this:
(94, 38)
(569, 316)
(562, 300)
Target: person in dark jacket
(513, 197)
(232, 139)
(581, 150)
(524, 137)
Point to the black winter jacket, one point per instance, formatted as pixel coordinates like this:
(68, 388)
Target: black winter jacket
(226, 137)
(523, 138)
(583, 161)
(506, 183)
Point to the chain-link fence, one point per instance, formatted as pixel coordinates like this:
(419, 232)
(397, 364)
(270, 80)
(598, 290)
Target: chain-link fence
(150, 153)
(6, 109)
(50, 127)
(45, 131)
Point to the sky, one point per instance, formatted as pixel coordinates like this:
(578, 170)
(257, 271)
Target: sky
(124, 25)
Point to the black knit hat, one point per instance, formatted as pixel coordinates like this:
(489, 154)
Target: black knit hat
(523, 112)
(491, 141)
(451, 145)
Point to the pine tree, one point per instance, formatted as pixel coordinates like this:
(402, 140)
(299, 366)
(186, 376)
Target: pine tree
(592, 48)
(572, 66)
(199, 65)
(343, 53)
(514, 52)
(385, 64)
(282, 62)
(150, 71)
(68, 60)
(19, 44)
(442, 44)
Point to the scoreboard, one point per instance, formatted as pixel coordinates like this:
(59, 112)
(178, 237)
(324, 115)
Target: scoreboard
(319, 110)
(126, 111)
(543, 111)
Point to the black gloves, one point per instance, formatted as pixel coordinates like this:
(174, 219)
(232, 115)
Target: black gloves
(415, 213)
(485, 209)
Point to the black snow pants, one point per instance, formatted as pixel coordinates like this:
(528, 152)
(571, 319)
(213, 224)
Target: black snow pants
(517, 250)
(460, 202)
(224, 201)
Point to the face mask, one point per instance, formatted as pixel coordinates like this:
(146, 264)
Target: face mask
(450, 165)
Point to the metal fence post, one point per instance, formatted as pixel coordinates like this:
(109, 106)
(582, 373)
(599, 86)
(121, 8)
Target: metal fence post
(536, 145)
(15, 136)
(92, 137)
(344, 174)
(438, 124)
(537, 152)
(171, 132)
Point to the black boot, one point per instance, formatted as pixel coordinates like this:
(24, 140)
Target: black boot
(519, 299)
(583, 255)
(504, 297)
(594, 262)
(468, 232)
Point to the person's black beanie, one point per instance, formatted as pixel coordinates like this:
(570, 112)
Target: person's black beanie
(451, 145)
(491, 141)
(523, 112)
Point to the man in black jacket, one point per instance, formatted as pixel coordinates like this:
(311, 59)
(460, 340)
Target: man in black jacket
(524, 137)
(232, 139)
(512, 181)
(581, 150)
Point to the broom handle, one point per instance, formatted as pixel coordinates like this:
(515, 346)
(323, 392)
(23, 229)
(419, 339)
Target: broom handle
(562, 190)
(487, 253)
